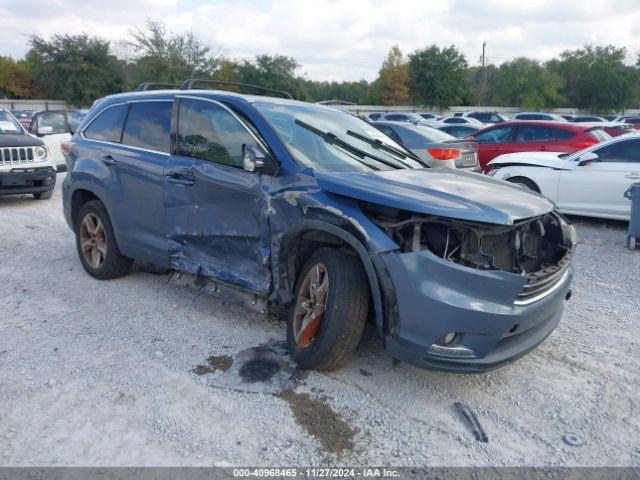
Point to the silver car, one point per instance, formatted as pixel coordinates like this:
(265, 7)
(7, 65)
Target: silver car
(434, 147)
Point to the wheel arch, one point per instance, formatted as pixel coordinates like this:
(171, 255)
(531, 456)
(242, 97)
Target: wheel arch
(308, 234)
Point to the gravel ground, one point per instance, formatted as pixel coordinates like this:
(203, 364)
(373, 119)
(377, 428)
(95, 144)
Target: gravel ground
(102, 373)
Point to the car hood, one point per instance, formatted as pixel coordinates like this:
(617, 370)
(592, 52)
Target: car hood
(11, 140)
(540, 159)
(443, 192)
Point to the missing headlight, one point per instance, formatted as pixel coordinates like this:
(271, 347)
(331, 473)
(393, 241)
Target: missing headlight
(527, 246)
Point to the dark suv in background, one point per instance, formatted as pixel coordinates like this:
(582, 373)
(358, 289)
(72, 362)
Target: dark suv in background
(268, 202)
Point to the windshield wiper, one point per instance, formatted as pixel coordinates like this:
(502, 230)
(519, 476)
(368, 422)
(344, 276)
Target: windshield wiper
(380, 145)
(333, 139)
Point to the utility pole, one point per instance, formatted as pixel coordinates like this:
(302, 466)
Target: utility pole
(483, 77)
(484, 45)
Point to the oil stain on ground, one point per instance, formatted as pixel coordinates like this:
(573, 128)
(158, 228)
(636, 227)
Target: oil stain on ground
(267, 368)
(215, 362)
(318, 418)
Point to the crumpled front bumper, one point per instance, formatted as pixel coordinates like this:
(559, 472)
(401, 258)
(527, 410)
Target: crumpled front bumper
(427, 298)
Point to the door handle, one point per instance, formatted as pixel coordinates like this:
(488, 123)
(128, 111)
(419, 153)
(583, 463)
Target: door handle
(108, 160)
(543, 148)
(185, 179)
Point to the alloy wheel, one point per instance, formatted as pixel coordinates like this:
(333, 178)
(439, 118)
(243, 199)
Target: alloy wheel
(310, 305)
(93, 240)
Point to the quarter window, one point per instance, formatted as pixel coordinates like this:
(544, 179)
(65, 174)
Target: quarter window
(148, 126)
(107, 126)
(209, 132)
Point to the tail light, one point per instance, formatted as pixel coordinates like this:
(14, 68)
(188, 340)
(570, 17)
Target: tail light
(444, 153)
(68, 147)
(584, 144)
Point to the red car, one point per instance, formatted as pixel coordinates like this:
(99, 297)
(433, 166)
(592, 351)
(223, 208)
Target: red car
(534, 136)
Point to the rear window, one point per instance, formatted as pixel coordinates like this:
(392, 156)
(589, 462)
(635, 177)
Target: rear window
(419, 137)
(107, 126)
(148, 126)
(532, 116)
(598, 134)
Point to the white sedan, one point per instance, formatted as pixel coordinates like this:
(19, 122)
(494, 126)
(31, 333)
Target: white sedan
(590, 182)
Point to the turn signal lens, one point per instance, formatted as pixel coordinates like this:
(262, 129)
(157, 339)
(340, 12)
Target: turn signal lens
(444, 153)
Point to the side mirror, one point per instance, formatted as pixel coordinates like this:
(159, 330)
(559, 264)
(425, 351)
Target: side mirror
(588, 157)
(256, 160)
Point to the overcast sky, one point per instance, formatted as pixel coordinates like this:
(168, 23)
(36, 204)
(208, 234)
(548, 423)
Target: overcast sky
(341, 39)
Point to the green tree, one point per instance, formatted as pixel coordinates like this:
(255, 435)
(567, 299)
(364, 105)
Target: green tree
(163, 56)
(525, 83)
(438, 76)
(75, 68)
(17, 80)
(597, 78)
(354, 92)
(393, 79)
(272, 71)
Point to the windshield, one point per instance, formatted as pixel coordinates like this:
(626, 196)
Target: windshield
(295, 125)
(9, 125)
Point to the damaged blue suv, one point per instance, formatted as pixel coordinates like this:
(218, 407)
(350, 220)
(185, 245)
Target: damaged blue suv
(273, 203)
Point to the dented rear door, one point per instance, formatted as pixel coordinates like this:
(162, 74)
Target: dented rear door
(217, 222)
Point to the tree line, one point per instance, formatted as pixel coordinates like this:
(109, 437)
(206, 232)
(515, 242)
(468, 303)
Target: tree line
(82, 68)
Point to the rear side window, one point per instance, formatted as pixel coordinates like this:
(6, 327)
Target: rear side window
(532, 133)
(455, 120)
(107, 126)
(209, 132)
(148, 126)
(561, 134)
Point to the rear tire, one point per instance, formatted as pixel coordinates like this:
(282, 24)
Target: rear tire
(96, 243)
(346, 305)
(525, 182)
(48, 195)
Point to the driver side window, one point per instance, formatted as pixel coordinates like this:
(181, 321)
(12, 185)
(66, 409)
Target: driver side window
(620, 152)
(209, 132)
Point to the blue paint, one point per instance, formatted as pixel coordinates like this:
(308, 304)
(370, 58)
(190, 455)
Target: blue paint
(241, 228)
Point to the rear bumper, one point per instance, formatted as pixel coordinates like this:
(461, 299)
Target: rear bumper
(427, 298)
(27, 180)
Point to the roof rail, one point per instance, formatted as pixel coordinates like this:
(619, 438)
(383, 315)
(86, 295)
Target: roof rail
(188, 85)
(144, 86)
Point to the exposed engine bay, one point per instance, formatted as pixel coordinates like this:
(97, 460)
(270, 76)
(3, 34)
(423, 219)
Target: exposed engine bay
(528, 246)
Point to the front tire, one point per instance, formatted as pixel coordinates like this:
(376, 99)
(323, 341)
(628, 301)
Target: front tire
(96, 243)
(329, 313)
(48, 195)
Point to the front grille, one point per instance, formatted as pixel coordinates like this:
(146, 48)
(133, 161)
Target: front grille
(542, 283)
(16, 155)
